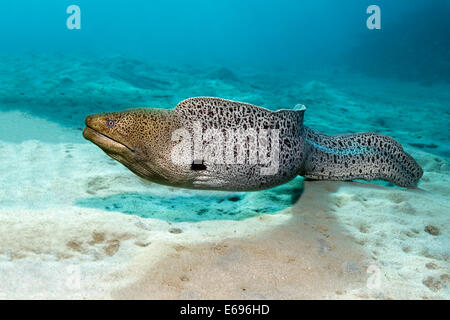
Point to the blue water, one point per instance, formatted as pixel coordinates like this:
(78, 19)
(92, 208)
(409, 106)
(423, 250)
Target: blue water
(275, 54)
(267, 34)
(70, 214)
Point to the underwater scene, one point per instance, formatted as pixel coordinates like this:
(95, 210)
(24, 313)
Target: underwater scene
(225, 149)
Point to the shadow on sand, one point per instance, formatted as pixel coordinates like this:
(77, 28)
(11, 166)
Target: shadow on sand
(201, 206)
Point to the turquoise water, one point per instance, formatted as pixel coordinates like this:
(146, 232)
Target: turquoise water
(270, 53)
(66, 206)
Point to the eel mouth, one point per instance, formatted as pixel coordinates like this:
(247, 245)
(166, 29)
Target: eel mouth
(108, 144)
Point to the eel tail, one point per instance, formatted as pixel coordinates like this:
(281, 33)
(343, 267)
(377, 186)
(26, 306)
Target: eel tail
(367, 156)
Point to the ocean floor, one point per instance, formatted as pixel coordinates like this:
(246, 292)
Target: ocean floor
(76, 224)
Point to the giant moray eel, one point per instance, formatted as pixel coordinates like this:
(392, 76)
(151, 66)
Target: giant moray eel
(217, 144)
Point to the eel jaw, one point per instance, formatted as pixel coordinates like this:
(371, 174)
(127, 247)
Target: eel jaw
(107, 144)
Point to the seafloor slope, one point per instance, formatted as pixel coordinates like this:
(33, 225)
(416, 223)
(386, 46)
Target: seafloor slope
(76, 224)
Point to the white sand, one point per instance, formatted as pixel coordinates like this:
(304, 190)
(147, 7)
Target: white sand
(321, 247)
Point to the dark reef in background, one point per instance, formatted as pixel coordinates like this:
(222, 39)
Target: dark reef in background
(412, 46)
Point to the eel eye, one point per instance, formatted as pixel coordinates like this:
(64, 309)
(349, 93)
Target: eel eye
(110, 123)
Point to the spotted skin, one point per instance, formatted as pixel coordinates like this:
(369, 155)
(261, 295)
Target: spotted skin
(231, 115)
(144, 141)
(367, 156)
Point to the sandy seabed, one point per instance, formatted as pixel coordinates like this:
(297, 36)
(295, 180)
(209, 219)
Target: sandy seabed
(75, 224)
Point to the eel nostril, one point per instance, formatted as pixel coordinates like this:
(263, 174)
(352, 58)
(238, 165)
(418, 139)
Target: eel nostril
(88, 120)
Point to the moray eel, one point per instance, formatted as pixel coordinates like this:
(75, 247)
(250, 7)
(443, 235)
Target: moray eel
(217, 144)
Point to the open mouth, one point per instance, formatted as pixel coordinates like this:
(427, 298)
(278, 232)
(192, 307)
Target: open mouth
(105, 142)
